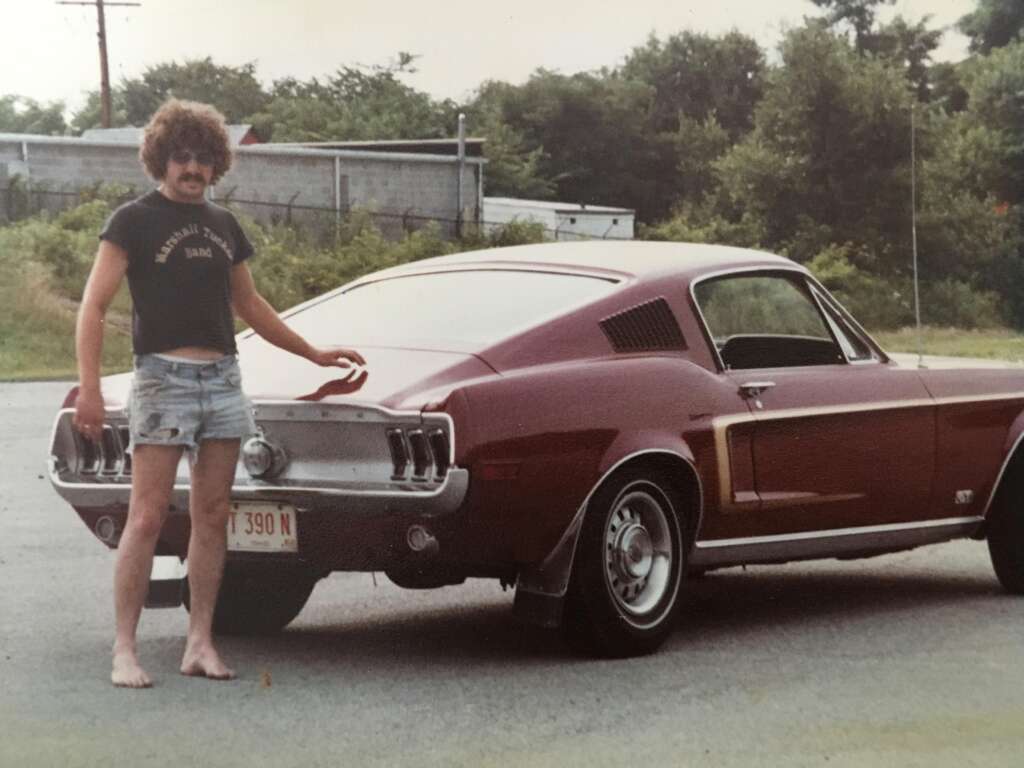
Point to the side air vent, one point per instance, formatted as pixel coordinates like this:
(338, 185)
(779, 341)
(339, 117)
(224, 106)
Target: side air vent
(647, 327)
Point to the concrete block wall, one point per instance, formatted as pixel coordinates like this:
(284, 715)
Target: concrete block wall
(281, 187)
(404, 191)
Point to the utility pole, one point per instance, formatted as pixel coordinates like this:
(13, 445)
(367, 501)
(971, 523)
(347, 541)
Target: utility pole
(104, 69)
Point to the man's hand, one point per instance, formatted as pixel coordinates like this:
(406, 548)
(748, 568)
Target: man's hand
(339, 357)
(89, 413)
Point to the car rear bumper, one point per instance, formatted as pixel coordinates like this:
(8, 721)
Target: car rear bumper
(443, 500)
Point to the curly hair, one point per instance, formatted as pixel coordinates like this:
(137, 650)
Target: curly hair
(185, 125)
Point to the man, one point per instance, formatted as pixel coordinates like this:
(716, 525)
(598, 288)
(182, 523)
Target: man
(185, 260)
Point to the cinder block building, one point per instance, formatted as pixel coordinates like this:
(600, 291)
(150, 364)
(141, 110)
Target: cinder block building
(403, 189)
(562, 221)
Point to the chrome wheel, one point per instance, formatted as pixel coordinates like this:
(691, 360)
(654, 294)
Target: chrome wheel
(628, 569)
(639, 552)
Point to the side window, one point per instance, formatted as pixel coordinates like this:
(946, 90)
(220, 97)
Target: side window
(765, 321)
(854, 347)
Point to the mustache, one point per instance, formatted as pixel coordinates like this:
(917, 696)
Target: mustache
(190, 177)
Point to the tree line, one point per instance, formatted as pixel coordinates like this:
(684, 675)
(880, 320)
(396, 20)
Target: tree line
(806, 155)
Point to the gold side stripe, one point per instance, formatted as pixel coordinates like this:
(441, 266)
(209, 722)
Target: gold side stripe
(721, 424)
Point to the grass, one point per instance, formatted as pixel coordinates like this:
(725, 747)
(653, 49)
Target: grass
(995, 343)
(37, 333)
(44, 262)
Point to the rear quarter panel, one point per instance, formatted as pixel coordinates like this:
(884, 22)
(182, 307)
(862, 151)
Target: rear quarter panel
(537, 441)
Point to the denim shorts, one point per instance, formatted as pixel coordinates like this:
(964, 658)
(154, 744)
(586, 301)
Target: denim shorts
(183, 403)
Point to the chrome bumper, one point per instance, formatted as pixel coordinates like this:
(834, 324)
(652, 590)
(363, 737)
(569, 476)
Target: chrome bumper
(340, 463)
(441, 501)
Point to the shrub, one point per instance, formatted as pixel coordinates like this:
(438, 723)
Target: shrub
(957, 304)
(877, 302)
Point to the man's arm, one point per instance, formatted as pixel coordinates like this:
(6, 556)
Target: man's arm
(107, 272)
(261, 317)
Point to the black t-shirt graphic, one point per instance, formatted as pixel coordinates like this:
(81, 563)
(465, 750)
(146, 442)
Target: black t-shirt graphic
(180, 257)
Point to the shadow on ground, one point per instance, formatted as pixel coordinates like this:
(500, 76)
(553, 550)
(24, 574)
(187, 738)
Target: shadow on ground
(732, 607)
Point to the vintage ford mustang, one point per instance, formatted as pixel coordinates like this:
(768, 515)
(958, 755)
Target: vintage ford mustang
(590, 422)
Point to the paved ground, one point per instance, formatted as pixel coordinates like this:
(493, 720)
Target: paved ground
(914, 659)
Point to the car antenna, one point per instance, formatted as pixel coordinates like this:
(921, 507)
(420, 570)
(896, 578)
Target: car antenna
(913, 235)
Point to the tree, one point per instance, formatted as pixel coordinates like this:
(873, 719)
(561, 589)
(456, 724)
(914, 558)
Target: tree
(696, 76)
(356, 103)
(513, 169)
(908, 47)
(859, 14)
(596, 146)
(234, 91)
(993, 24)
(946, 88)
(89, 115)
(827, 160)
(995, 87)
(19, 114)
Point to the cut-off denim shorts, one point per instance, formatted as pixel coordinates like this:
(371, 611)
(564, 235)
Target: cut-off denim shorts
(183, 403)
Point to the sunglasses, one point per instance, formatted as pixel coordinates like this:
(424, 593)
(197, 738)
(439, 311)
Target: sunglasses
(186, 156)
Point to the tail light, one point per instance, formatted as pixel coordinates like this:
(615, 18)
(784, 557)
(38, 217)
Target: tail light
(70, 397)
(111, 452)
(419, 455)
(106, 457)
(439, 447)
(399, 454)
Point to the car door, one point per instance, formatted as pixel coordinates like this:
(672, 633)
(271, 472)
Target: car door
(837, 436)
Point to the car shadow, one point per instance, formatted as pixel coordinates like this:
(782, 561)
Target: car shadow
(738, 600)
(467, 632)
(734, 605)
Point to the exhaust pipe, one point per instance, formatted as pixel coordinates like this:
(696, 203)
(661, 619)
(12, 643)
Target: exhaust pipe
(107, 530)
(421, 541)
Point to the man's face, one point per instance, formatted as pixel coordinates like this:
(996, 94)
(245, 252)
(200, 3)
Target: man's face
(188, 174)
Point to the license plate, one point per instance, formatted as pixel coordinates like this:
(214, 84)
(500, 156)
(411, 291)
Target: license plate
(257, 526)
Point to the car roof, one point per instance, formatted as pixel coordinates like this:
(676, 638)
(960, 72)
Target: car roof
(626, 258)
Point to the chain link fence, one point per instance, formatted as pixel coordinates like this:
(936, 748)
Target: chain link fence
(20, 199)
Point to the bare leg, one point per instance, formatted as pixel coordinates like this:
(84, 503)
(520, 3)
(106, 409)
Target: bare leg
(154, 468)
(212, 475)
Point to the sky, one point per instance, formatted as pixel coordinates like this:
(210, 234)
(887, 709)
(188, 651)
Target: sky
(50, 51)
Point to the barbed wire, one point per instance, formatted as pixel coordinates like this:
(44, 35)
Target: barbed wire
(406, 216)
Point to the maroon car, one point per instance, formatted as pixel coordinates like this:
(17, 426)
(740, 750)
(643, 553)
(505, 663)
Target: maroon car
(590, 422)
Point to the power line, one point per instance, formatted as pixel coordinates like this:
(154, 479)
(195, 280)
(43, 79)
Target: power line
(104, 69)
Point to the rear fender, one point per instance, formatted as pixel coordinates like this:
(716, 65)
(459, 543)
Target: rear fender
(1013, 448)
(541, 588)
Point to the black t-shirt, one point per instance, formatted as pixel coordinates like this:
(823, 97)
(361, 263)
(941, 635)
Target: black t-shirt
(180, 257)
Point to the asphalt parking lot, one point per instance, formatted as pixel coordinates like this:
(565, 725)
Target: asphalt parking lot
(914, 659)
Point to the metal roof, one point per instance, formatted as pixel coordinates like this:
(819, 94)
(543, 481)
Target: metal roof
(132, 135)
(474, 146)
(549, 205)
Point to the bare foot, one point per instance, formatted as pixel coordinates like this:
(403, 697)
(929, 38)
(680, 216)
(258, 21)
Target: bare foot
(204, 661)
(127, 673)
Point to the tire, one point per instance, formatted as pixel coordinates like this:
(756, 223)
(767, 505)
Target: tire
(260, 601)
(628, 571)
(1006, 539)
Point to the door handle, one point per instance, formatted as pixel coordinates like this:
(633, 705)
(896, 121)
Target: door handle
(755, 388)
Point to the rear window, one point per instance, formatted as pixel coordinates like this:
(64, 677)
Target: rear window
(464, 307)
